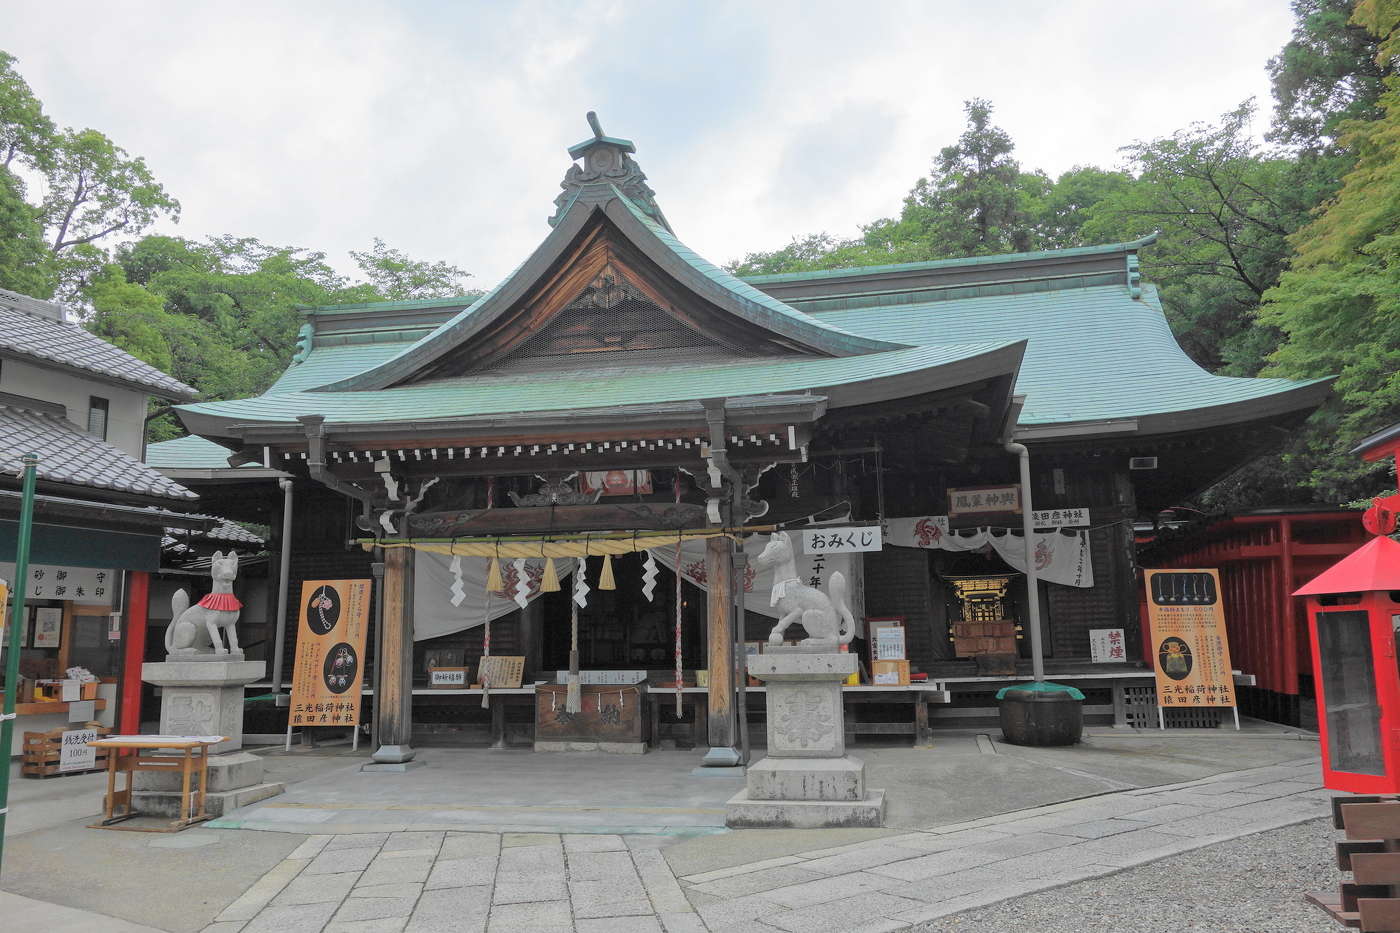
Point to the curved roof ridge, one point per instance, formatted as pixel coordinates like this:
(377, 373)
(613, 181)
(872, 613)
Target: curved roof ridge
(1127, 246)
(704, 278)
(741, 289)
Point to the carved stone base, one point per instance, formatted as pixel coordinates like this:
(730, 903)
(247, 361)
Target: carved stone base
(203, 697)
(806, 781)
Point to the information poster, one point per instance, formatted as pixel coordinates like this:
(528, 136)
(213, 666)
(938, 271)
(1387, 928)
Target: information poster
(74, 752)
(329, 664)
(48, 627)
(1188, 638)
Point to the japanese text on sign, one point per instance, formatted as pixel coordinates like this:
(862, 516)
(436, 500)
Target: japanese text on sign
(1189, 646)
(80, 584)
(74, 752)
(977, 499)
(842, 540)
(1060, 518)
(1106, 646)
(328, 672)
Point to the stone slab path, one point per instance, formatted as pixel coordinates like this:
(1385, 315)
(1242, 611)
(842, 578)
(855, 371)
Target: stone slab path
(415, 882)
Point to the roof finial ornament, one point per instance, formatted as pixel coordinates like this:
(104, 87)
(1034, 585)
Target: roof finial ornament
(607, 167)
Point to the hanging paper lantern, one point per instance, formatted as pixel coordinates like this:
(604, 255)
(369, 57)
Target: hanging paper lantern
(549, 583)
(605, 579)
(494, 584)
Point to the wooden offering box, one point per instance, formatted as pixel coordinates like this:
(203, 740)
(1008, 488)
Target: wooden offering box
(613, 719)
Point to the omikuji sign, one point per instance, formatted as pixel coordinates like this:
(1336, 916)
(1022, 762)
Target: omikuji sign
(842, 540)
(330, 653)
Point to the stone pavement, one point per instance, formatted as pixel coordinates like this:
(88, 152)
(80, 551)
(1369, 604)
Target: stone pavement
(544, 882)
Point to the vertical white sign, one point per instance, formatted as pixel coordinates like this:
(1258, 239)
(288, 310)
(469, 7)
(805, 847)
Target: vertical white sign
(1106, 646)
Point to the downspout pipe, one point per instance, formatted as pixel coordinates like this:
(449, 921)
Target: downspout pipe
(1032, 579)
(719, 458)
(315, 426)
(283, 582)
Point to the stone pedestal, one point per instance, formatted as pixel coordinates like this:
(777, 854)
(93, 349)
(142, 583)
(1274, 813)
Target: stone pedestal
(807, 781)
(203, 695)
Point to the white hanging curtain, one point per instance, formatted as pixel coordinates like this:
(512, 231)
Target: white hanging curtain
(758, 586)
(433, 591)
(1060, 556)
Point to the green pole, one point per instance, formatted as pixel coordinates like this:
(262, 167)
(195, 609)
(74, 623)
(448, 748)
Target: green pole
(17, 587)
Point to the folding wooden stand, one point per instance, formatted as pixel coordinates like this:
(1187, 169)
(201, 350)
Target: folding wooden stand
(192, 765)
(1370, 902)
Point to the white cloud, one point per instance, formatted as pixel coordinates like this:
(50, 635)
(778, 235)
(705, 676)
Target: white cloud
(440, 127)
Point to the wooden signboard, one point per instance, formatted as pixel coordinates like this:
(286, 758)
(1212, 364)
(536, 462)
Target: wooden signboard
(1192, 651)
(501, 671)
(329, 667)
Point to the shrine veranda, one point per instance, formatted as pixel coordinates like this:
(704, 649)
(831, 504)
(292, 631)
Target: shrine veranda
(622, 407)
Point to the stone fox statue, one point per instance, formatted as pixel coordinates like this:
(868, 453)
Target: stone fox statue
(826, 618)
(195, 629)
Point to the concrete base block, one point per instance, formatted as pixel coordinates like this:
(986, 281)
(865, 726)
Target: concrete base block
(806, 779)
(743, 812)
(616, 748)
(229, 772)
(391, 767)
(721, 756)
(167, 803)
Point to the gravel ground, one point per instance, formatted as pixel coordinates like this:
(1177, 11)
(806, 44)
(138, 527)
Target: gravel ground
(1254, 884)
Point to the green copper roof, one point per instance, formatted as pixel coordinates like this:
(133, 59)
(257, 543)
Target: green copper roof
(939, 264)
(706, 279)
(187, 453)
(604, 387)
(1092, 353)
(762, 307)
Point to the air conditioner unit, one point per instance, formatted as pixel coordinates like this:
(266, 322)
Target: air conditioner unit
(1142, 463)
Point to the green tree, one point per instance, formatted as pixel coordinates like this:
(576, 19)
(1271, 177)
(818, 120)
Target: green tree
(1328, 73)
(25, 262)
(96, 191)
(976, 201)
(1338, 305)
(397, 277)
(1225, 209)
(26, 133)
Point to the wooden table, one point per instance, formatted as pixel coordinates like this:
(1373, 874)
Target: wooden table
(192, 765)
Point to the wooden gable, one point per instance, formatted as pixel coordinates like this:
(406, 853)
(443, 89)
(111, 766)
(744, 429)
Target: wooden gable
(605, 303)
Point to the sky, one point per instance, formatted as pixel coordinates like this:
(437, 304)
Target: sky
(441, 127)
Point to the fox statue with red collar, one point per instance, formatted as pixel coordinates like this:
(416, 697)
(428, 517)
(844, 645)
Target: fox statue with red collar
(195, 629)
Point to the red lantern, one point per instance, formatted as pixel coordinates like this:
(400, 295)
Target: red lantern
(1354, 623)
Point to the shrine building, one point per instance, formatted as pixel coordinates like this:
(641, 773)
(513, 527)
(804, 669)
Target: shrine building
(623, 408)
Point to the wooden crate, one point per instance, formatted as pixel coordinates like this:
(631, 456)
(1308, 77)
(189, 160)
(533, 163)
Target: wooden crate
(41, 750)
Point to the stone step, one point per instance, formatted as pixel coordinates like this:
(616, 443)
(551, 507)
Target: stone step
(227, 772)
(167, 803)
(741, 812)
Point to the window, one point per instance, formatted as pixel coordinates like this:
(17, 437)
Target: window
(97, 416)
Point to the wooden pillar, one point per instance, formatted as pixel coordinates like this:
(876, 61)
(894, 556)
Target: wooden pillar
(719, 574)
(532, 638)
(138, 600)
(393, 697)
